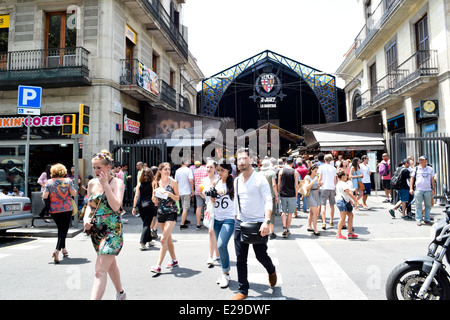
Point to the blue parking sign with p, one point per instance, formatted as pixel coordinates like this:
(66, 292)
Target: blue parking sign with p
(29, 97)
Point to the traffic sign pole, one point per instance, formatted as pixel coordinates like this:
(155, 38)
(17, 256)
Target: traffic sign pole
(29, 101)
(27, 156)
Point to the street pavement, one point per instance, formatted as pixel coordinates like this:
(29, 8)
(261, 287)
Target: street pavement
(308, 267)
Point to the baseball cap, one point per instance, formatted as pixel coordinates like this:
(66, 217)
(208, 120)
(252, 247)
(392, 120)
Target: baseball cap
(423, 158)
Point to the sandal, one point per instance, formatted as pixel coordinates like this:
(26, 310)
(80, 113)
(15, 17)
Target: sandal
(55, 256)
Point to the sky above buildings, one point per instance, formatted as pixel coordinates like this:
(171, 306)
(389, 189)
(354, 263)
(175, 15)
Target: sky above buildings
(317, 33)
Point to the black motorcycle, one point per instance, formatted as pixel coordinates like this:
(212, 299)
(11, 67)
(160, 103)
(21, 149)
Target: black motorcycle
(425, 277)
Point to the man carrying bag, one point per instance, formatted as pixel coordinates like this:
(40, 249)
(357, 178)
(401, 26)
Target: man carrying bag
(253, 209)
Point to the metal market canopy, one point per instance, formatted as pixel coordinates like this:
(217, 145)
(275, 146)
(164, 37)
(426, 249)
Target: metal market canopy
(361, 134)
(323, 85)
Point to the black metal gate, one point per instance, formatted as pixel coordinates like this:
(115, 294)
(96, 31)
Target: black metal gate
(435, 146)
(130, 152)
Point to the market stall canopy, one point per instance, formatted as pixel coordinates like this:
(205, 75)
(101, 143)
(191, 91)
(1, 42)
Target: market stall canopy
(295, 138)
(361, 134)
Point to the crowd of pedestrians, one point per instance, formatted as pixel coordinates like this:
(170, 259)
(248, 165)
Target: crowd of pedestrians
(231, 200)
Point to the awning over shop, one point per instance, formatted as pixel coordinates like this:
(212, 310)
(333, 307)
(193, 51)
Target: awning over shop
(361, 134)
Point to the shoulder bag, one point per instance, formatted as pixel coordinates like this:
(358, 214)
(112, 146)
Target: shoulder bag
(250, 233)
(92, 215)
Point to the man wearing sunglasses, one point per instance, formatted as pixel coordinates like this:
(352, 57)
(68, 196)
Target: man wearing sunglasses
(423, 176)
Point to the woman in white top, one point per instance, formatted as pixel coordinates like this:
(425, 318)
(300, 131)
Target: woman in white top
(343, 196)
(207, 183)
(224, 217)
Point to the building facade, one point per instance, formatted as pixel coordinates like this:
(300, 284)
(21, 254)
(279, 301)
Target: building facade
(122, 58)
(399, 68)
(400, 63)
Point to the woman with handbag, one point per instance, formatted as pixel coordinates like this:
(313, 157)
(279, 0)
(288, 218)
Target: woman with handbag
(165, 197)
(343, 196)
(224, 217)
(313, 199)
(60, 192)
(147, 209)
(102, 220)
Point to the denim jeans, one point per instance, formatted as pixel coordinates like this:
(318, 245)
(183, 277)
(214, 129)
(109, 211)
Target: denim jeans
(299, 196)
(424, 196)
(241, 258)
(223, 231)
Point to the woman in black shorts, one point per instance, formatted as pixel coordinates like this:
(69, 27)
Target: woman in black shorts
(165, 197)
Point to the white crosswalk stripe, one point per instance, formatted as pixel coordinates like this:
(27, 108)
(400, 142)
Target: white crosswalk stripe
(336, 282)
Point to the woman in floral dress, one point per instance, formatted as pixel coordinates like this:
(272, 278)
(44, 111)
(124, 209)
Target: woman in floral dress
(105, 194)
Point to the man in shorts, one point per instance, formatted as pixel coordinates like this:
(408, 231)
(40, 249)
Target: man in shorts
(403, 191)
(327, 176)
(287, 189)
(185, 180)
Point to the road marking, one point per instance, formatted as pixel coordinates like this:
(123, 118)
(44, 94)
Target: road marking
(4, 255)
(254, 262)
(25, 247)
(263, 278)
(336, 282)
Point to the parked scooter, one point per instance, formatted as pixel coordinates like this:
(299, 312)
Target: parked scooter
(425, 277)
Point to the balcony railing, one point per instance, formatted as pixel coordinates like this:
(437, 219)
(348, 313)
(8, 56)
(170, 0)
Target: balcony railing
(44, 58)
(374, 21)
(45, 65)
(134, 74)
(423, 63)
(168, 94)
(164, 19)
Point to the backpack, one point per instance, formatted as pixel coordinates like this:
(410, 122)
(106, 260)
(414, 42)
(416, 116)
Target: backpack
(396, 179)
(383, 169)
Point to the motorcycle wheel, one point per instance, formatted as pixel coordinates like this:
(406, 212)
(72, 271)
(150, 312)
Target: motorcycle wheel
(405, 281)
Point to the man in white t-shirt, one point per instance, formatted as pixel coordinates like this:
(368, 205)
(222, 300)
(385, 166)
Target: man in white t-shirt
(185, 180)
(327, 175)
(253, 203)
(365, 170)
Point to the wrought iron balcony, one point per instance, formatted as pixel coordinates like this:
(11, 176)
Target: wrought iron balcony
(168, 94)
(138, 81)
(418, 72)
(45, 67)
(168, 25)
(379, 23)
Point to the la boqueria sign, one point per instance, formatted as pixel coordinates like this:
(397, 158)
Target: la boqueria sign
(38, 121)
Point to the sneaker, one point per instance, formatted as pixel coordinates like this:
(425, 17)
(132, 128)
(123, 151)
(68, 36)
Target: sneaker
(272, 236)
(386, 200)
(340, 236)
(156, 269)
(121, 295)
(391, 211)
(352, 236)
(143, 247)
(172, 264)
(288, 233)
(284, 234)
(224, 281)
(198, 227)
(183, 226)
(210, 261)
(151, 243)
